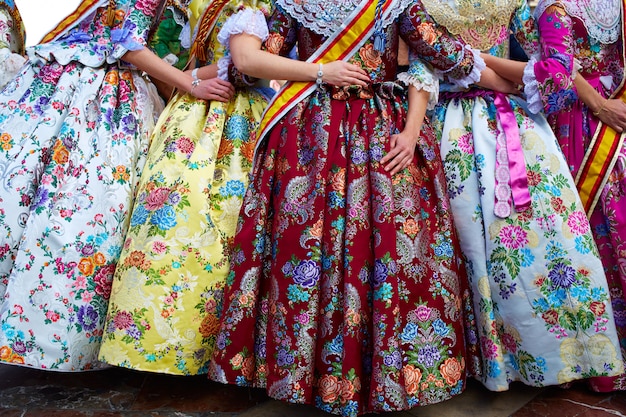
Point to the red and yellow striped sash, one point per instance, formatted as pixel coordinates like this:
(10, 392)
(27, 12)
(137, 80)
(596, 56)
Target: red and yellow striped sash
(85, 8)
(341, 46)
(603, 151)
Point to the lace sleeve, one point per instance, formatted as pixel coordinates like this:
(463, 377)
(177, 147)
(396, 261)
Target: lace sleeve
(422, 78)
(248, 21)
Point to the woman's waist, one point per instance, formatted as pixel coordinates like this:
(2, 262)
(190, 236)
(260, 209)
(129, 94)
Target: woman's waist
(386, 89)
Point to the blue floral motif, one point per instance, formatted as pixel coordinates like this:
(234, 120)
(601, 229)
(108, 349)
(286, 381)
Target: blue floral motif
(307, 273)
(164, 218)
(440, 327)
(88, 317)
(562, 275)
(237, 128)
(410, 332)
(233, 188)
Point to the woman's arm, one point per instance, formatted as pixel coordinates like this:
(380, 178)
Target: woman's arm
(208, 89)
(610, 111)
(248, 57)
(506, 68)
(403, 144)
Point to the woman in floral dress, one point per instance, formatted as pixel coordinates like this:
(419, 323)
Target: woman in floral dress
(587, 35)
(163, 309)
(541, 300)
(75, 125)
(12, 38)
(163, 313)
(345, 291)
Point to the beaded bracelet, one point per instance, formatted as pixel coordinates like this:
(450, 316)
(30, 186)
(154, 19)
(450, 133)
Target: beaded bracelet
(320, 74)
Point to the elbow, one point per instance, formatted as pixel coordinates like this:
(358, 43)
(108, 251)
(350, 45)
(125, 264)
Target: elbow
(243, 61)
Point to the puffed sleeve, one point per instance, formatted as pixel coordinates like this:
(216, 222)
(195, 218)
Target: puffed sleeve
(434, 45)
(250, 21)
(135, 22)
(549, 81)
(420, 76)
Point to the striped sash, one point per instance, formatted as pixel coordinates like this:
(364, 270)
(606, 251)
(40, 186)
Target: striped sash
(357, 29)
(206, 25)
(84, 9)
(604, 149)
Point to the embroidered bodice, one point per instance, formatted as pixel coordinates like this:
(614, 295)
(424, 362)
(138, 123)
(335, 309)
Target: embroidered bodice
(601, 18)
(309, 23)
(567, 45)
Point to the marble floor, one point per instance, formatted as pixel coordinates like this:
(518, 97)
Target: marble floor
(26, 392)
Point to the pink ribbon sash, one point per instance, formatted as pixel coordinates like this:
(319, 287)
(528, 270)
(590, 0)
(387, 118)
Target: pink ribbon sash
(511, 179)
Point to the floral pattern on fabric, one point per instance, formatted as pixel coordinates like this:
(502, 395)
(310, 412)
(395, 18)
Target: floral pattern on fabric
(163, 314)
(540, 299)
(574, 125)
(345, 290)
(74, 140)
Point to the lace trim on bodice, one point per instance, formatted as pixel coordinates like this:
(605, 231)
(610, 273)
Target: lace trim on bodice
(601, 18)
(325, 17)
(482, 24)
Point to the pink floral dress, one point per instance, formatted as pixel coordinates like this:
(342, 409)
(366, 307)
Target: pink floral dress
(570, 41)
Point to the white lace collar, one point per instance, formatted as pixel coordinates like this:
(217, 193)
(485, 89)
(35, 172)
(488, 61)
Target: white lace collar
(601, 18)
(325, 17)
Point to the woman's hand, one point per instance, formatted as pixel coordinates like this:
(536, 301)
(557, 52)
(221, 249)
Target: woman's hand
(214, 89)
(613, 113)
(402, 151)
(342, 74)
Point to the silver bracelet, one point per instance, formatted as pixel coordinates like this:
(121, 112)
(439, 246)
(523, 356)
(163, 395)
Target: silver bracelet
(320, 74)
(196, 81)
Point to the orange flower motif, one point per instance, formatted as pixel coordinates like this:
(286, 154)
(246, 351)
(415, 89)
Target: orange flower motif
(274, 43)
(5, 353)
(99, 259)
(427, 32)
(412, 377)
(329, 388)
(17, 359)
(452, 370)
(316, 230)
(86, 266)
(126, 75)
(121, 173)
(247, 368)
(135, 259)
(347, 391)
(209, 326)
(5, 141)
(370, 56)
(247, 150)
(111, 77)
(226, 148)
(411, 227)
(119, 15)
(338, 180)
(61, 155)
(237, 361)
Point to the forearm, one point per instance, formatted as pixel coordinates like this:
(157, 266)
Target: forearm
(588, 94)
(251, 60)
(506, 68)
(147, 61)
(417, 103)
(205, 72)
